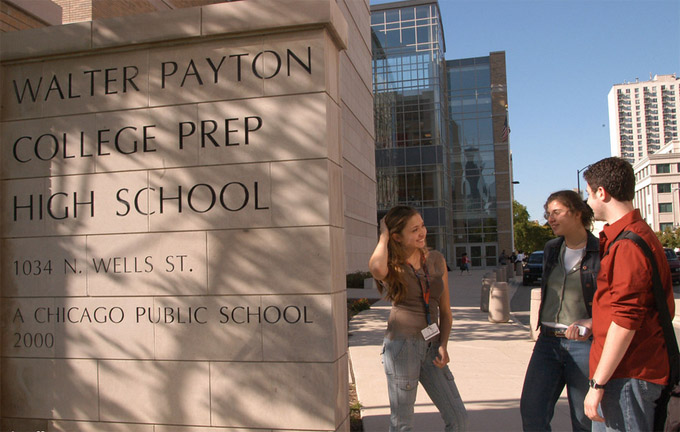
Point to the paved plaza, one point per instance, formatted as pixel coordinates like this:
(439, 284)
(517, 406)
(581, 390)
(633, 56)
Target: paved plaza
(488, 361)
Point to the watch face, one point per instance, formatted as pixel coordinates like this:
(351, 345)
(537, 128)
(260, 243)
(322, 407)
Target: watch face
(593, 384)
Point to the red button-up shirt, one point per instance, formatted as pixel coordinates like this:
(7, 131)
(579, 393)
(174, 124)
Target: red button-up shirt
(624, 295)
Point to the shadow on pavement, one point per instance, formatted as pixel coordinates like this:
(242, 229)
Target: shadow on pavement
(471, 324)
(368, 327)
(483, 416)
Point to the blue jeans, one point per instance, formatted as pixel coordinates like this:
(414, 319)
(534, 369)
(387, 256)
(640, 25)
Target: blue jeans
(555, 362)
(628, 404)
(408, 361)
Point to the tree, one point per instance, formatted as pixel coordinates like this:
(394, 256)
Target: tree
(529, 235)
(669, 238)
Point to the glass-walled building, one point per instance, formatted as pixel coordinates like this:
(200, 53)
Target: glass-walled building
(481, 167)
(411, 112)
(441, 134)
(475, 219)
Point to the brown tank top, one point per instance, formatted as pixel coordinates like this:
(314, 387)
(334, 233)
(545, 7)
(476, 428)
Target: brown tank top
(407, 318)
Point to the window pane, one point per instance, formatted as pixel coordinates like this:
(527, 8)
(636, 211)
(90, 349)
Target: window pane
(393, 38)
(423, 11)
(428, 187)
(485, 131)
(483, 76)
(392, 15)
(665, 226)
(408, 36)
(665, 207)
(423, 34)
(415, 193)
(663, 187)
(413, 156)
(467, 77)
(663, 168)
(454, 80)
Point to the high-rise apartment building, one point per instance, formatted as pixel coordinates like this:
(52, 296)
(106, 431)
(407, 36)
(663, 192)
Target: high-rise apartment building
(441, 133)
(643, 116)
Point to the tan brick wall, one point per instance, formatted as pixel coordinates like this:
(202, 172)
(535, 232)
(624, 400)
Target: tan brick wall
(75, 10)
(13, 19)
(499, 109)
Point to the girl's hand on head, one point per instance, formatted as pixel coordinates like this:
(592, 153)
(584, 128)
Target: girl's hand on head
(383, 227)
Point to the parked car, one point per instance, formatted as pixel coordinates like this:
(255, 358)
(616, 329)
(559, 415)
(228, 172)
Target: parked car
(533, 268)
(674, 264)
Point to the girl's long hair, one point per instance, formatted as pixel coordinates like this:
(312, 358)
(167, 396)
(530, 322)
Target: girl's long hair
(396, 220)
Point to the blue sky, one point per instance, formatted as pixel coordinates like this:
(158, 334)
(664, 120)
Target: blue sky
(562, 58)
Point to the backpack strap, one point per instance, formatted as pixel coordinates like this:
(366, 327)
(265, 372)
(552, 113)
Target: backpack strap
(661, 305)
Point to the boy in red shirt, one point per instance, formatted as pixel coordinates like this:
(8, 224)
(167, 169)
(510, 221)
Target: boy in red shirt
(628, 359)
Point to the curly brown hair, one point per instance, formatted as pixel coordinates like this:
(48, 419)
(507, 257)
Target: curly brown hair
(574, 203)
(614, 175)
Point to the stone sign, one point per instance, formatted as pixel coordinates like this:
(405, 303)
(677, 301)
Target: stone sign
(173, 249)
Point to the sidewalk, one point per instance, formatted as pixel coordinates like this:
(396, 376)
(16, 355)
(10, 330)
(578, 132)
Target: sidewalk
(488, 361)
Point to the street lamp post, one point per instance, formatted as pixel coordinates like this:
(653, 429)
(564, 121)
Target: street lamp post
(578, 179)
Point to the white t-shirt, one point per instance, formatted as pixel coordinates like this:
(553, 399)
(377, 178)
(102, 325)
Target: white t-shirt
(572, 257)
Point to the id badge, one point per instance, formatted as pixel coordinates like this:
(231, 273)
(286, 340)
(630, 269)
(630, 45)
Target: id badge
(430, 331)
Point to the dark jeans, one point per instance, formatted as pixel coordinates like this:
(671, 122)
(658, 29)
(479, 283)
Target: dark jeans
(628, 405)
(555, 362)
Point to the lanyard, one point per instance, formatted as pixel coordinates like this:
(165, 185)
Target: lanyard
(425, 288)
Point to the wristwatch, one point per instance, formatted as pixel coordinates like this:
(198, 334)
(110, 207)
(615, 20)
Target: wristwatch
(594, 385)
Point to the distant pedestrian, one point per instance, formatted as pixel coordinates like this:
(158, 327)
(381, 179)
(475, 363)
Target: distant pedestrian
(520, 257)
(464, 263)
(560, 356)
(629, 365)
(415, 280)
(503, 258)
(519, 261)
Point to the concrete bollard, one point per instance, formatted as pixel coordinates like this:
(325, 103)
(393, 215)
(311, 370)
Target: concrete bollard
(500, 274)
(510, 271)
(519, 270)
(487, 281)
(533, 312)
(499, 303)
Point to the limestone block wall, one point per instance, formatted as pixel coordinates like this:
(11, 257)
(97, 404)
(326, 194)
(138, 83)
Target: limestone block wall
(358, 143)
(174, 218)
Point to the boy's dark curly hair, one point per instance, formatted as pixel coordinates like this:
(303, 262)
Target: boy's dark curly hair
(613, 174)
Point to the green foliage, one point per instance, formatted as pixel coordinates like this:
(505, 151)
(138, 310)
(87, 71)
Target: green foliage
(669, 238)
(360, 305)
(529, 235)
(356, 279)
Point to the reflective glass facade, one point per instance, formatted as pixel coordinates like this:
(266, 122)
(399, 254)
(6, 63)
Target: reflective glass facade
(440, 145)
(411, 114)
(475, 216)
